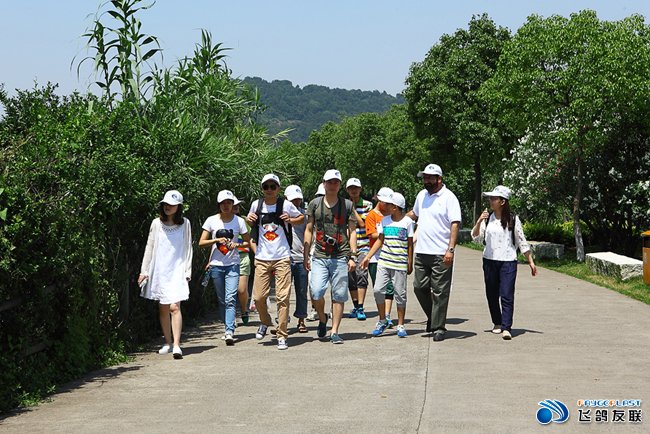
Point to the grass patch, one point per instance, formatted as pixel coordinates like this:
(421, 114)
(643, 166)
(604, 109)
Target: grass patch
(634, 288)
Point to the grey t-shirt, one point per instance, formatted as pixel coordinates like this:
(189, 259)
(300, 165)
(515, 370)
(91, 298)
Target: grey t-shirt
(331, 227)
(298, 245)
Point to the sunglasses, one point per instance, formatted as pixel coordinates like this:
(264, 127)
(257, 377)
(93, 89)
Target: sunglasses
(270, 187)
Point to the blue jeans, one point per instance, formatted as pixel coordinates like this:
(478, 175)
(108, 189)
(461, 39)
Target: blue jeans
(225, 281)
(300, 284)
(500, 277)
(324, 271)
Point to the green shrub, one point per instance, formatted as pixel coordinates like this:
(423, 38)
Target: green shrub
(81, 179)
(555, 233)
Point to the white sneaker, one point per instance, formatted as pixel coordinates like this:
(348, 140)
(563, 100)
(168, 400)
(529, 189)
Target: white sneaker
(229, 338)
(506, 335)
(313, 315)
(165, 349)
(178, 354)
(496, 329)
(282, 344)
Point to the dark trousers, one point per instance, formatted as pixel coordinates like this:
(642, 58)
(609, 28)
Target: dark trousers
(300, 285)
(432, 286)
(500, 279)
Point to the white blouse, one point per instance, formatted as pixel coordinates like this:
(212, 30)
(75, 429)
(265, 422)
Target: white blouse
(498, 241)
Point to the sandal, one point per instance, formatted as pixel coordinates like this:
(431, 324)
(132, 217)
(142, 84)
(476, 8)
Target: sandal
(302, 328)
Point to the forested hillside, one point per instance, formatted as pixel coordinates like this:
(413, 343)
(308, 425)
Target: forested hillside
(306, 109)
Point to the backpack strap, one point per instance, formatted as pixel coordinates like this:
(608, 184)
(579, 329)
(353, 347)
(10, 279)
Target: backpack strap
(279, 209)
(255, 229)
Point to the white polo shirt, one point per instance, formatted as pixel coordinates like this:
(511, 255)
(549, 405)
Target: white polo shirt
(436, 212)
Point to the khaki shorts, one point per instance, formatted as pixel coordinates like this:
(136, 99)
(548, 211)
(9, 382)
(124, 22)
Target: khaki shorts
(244, 264)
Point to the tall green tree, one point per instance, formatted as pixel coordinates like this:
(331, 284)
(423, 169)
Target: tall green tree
(564, 85)
(444, 104)
(380, 149)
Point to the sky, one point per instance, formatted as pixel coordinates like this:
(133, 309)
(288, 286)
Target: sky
(349, 44)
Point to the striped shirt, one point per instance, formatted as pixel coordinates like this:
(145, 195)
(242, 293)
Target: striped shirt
(394, 252)
(363, 207)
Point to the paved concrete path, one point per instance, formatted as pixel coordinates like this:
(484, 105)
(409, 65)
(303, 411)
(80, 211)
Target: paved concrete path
(572, 340)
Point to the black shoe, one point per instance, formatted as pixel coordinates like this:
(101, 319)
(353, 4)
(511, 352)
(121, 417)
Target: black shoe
(437, 337)
(322, 330)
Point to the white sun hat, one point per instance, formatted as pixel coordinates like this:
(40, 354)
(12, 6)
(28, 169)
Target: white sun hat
(499, 191)
(172, 197)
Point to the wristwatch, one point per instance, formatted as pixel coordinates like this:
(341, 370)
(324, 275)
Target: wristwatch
(451, 250)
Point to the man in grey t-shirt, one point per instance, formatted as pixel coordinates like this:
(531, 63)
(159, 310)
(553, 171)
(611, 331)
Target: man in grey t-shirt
(332, 220)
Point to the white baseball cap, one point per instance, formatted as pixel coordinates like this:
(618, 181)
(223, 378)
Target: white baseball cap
(353, 182)
(397, 199)
(384, 194)
(431, 169)
(270, 177)
(237, 201)
(499, 191)
(293, 192)
(332, 174)
(225, 195)
(321, 190)
(172, 197)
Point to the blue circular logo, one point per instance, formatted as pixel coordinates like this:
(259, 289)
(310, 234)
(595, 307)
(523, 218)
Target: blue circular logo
(544, 416)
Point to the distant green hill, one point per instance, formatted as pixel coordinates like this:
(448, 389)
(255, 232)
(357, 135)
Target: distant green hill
(309, 108)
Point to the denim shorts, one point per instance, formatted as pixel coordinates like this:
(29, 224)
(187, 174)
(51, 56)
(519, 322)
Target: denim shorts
(325, 271)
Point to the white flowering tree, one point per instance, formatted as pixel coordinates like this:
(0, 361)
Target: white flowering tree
(568, 85)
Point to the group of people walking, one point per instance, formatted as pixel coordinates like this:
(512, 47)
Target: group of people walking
(332, 243)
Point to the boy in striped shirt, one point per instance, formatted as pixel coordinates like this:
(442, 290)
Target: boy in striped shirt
(395, 261)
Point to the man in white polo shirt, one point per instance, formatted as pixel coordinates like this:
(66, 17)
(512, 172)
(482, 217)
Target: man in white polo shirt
(437, 211)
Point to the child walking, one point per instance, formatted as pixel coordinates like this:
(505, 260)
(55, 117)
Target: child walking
(395, 261)
(167, 267)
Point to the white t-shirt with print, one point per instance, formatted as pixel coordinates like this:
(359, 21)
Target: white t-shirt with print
(212, 225)
(436, 212)
(272, 244)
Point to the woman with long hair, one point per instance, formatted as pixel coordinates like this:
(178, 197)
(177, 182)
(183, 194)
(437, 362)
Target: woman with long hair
(220, 233)
(502, 234)
(167, 268)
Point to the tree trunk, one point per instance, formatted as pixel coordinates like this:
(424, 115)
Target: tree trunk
(577, 199)
(478, 206)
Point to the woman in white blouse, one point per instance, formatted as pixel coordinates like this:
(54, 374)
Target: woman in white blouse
(167, 267)
(502, 234)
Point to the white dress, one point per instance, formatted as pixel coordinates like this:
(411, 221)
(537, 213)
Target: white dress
(167, 279)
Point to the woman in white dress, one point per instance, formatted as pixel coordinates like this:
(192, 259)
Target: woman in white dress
(167, 268)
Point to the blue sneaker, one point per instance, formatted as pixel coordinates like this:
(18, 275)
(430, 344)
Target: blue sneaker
(389, 323)
(401, 331)
(336, 339)
(379, 328)
(361, 314)
(353, 313)
(322, 329)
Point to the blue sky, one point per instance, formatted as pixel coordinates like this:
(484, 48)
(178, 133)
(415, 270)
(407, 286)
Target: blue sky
(351, 44)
